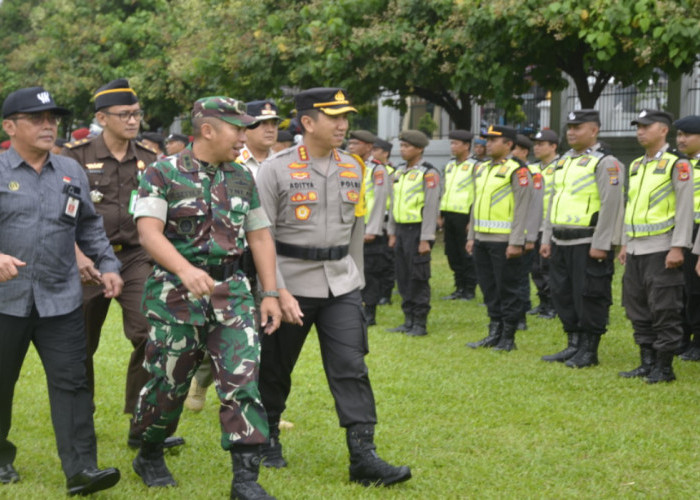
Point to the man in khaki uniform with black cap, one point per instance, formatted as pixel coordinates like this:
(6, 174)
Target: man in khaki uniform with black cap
(455, 204)
(261, 135)
(582, 227)
(312, 194)
(377, 184)
(413, 218)
(114, 162)
(658, 227)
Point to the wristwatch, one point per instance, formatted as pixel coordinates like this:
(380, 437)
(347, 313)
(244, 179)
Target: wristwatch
(270, 293)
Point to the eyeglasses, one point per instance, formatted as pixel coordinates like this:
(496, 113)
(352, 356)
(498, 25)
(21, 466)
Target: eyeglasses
(39, 118)
(125, 116)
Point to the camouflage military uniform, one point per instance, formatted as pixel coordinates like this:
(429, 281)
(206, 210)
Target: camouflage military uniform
(209, 209)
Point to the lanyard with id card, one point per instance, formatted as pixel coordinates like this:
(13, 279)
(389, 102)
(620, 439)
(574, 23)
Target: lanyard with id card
(71, 208)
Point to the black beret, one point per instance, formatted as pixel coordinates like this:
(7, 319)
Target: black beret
(523, 141)
(177, 138)
(30, 100)
(688, 124)
(461, 135)
(115, 93)
(263, 110)
(548, 135)
(153, 137)
(382, 144)
(501, 131)
(415, 138)
(363, 135)
(582, 116)
(284, 136)
(649, 116)
(330, 100)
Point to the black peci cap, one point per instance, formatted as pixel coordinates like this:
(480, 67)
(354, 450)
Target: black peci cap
(115, 93)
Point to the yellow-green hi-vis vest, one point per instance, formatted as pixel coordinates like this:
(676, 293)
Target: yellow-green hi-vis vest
(369, 182)
(459, 187)
(547, 174)
(494, 202)
(576, 199)
(695, 162)
(651, 202)
(409, 195)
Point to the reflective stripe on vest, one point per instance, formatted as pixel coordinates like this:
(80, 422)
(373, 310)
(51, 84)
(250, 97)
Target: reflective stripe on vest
(494, 201)
(576, 199)
(459, 187)
(651, 203)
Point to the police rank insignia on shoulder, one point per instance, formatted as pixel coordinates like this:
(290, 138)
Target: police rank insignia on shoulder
(430, 180)
(537, 181)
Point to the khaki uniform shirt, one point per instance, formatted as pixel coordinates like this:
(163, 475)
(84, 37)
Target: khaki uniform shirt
(113, 184)
(311, 203)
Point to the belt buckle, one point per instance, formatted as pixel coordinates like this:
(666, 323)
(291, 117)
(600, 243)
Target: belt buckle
(117, 248)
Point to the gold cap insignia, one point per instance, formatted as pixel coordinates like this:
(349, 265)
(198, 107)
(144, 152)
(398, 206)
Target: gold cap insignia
(339, 96)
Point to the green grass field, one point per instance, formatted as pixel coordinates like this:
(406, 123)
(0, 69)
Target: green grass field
(471, 424)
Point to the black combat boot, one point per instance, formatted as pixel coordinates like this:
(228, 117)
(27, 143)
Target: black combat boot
(587, 354)
(406, 326)
(366, 467)
(547, 310)
(693, 351)
(246, 465)
(507, 341)
(272, 450)
(495, 330)
(537, 309)
(522, 323)
(648, 356)
(456, 295)
(149, 464)
(663, 368)
(567, 352)
(419, 328)
(370, 315)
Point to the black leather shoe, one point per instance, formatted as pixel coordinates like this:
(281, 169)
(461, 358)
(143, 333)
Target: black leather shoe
(134, 442)
(8, 474)
(384, 301)
(91, 480)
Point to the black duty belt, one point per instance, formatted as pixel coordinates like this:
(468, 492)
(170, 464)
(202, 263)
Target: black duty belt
(222, 272)
(572, 234)
(311, 253)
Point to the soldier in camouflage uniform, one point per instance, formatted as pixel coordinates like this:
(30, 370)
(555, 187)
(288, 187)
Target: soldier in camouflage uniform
(193, 213)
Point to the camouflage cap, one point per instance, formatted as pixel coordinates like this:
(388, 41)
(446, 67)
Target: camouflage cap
(222, 107)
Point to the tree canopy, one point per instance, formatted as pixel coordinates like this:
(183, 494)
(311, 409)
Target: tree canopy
(449, 52)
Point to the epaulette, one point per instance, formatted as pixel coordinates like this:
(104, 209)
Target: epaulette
(681, 156)
(427, 166)
(147, 148)
(75, 144)
(520, 162)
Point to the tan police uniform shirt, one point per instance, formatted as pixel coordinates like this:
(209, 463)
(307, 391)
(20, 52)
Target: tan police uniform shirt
(113, 184)
(311, 203)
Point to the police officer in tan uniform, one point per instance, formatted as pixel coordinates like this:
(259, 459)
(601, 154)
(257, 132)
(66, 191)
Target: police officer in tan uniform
(313, 197)
(114, 162)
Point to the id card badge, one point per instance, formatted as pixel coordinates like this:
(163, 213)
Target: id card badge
(132, 201)
(71, 208)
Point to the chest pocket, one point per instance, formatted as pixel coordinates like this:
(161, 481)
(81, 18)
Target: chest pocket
(350, 193)
(302, 206)
(185, 214)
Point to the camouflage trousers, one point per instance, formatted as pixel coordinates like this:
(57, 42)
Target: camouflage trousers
(173, 354)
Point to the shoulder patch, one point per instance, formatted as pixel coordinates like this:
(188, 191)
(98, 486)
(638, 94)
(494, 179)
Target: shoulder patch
(75, 144)
(147, 148)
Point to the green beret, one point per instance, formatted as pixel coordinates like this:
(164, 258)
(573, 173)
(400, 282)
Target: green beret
(363, 135)
(415, 138)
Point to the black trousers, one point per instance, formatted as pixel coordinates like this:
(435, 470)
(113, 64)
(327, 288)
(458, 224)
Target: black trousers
(388, 277)
(653, 299)
(500, 281)
(342, 336)
(692, 290)
(377, 265)
(539, 271)
(60, 342)
(528, 258)
(461, 263)
(581, 288)
(136, 266)
(412, 273)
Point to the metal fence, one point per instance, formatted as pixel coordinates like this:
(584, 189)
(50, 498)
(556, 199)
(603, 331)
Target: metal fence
(619, 105)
